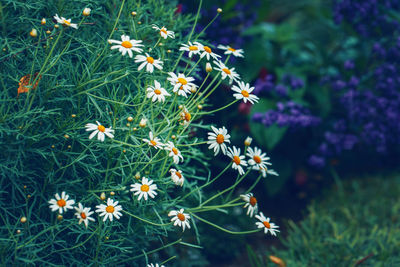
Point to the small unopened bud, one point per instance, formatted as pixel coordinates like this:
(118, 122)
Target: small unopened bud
(103, 196)
(66, 136)
(107, 237)
(277, 261)
(48, 32)
(143, 122)
(139, 22)
(200, 107)
(133, 13)
(33, 33)
(169, 51)
(23, 219)
(137, 176)
(130, 119)
(180, 107)
(86, 11)
(124, 151)
(60, 217)
(18, 231)
(173, 136)
(134, 129)
(43, 22)
(52, 146)
(248, 141)
(69, 146)
(56, 26)
(112, 193)
(208, 67)
(73, 115)
(193, 89)
(219, 10)
(128, 125)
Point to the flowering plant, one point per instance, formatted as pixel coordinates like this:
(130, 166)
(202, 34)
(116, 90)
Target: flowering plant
(105, 129)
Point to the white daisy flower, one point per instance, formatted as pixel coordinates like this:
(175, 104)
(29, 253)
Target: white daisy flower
(207, 52)
(173, 152)
(155, 265)
(251, 203)
(193, 48)
(144, 189)
(180, 218)
(181, 83)
(266, 224)
(264, 171)
(225, 72)
(100, 130)
(257, 159)
(185, 116)
(83, 214)
(217, 139)
(149, 62)
(65, 22)
(231, 51)
(61, 203)
(237, 159)
(111, 210)
(244, 92)
(153, 141)
(177, 177)
(156, 92)
(126, 45)
(164, 33)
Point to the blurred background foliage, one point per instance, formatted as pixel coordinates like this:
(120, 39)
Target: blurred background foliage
(354, 224)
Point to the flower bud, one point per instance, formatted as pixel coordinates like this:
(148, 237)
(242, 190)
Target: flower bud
(219, 10)
(130, 119)
(133, 13)
(43, 22)
(137, 176)
(143, 122)
(33, 33)
(23, 219)
(112, 193)
(86, 12)
(248, 140)
(208, 67)
(103, 196)
(60, 217)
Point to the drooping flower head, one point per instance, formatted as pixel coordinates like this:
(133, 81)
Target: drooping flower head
(180, 218)
(65, 22)
(164, 33)
(251, 203)
(266, 224)
(83, 214)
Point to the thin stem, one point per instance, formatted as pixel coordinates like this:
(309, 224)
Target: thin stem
(144, 220)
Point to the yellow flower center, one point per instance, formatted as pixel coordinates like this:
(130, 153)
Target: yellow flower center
(157, 91)
(61, 203)
(101, 128)
(110, 209)
(253, 201)
(231, 49)
(207, 49)
(175, 151)
(163, 31)
(187, 116)
(245, 93)
(236, 159)
(83, 215)
(266, 224)
(150, 60)
(182, 81)
(178, 174)
(154, 143)
(67, 22)
(257, 159)
(193, 48)
(145, 188)
(227, 71)
(181, 217)
(127, 44)
(220, 139)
